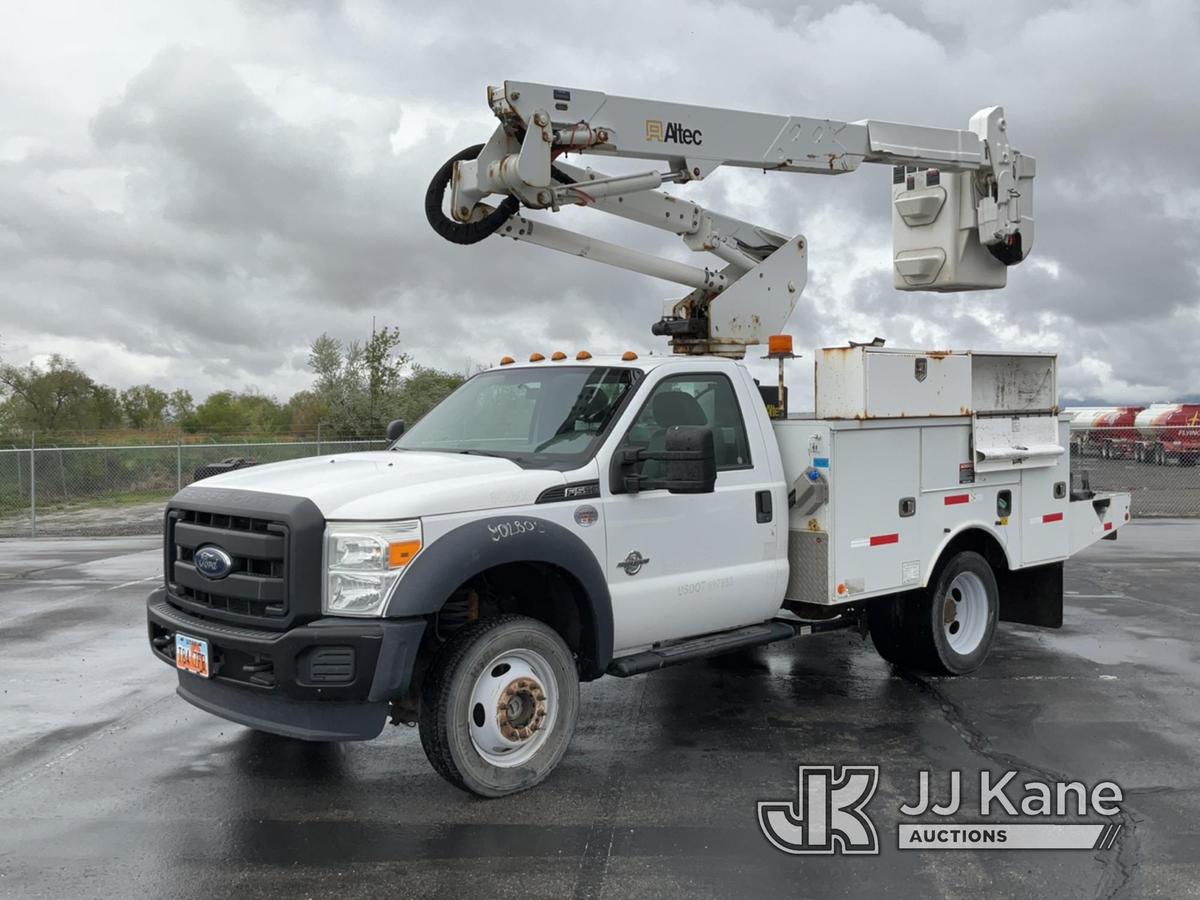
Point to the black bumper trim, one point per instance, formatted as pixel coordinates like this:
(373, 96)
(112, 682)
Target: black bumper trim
(261, 678)
(305, 720)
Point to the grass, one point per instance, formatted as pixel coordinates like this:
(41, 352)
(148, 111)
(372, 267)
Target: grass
(104, 501)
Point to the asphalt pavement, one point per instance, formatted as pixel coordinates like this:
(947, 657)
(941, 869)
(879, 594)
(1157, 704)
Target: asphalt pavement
(111, 786)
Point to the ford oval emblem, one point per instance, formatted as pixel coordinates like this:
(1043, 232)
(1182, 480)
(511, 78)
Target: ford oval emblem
(212, 562)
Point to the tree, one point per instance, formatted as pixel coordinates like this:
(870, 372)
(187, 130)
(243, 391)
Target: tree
(232, 412)
(180, 406)
(357, 383)
(58, 397)
(306, 411)
(144, 406)
(422, 391)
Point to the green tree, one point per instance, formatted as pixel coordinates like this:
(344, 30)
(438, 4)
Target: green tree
(357, 383)
(180, 406)
(306, 410)
(144, 406)
(233, 412)
(56, 398)
(422, 391)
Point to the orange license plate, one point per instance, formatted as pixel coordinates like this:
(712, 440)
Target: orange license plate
(191, 655)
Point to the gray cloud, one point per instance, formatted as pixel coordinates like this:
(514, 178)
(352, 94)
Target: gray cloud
(231, 180)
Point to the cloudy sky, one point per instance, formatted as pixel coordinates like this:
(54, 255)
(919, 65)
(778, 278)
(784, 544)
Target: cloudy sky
(190, 192)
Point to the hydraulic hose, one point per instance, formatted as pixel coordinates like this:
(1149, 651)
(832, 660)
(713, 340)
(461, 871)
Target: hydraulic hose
(463, 232)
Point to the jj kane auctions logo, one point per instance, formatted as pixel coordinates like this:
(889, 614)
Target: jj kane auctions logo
(672, 133)
(829, 814)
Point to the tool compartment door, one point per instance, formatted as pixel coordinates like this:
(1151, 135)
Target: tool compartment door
(876, 541)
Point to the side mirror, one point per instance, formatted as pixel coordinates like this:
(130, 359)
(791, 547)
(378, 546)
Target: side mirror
(395, 429)
(691, 464)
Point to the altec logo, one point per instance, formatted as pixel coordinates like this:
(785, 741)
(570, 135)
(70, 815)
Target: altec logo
(673, 133)
(827, 816)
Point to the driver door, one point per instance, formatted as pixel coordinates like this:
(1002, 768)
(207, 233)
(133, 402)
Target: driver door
(685, 564)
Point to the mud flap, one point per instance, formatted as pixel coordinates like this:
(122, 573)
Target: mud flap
(1032, 596)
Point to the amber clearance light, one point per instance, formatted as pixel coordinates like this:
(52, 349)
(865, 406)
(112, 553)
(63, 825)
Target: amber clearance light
(401, 553)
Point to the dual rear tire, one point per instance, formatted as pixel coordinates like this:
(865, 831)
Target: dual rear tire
(949, 627)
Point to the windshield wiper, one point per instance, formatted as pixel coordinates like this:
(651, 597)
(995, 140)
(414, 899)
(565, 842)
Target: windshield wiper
(492, 453)
(561, 436)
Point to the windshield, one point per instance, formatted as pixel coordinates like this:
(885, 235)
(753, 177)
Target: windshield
(539, 417)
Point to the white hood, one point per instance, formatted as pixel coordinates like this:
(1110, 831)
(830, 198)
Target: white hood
(395, 484)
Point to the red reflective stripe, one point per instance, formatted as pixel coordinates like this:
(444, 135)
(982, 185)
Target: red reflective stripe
(955, 499)
(1108, 526)
(878, 539)
(1052, 517)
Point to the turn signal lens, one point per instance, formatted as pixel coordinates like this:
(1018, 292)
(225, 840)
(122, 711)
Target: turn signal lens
(401, 553)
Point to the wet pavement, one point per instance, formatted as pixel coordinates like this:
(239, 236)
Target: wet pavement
(110, 786)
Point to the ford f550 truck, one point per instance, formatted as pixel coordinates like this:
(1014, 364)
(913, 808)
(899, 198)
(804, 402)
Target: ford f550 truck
(557, 520)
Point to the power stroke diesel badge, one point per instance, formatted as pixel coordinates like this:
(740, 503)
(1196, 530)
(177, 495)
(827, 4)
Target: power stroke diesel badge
(632, 564)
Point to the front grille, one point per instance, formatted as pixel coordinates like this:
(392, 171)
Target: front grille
(256, 585)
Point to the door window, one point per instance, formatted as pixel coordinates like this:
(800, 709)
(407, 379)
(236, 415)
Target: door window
(699, 399)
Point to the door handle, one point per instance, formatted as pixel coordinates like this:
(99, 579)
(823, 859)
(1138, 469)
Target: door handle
(762, 507)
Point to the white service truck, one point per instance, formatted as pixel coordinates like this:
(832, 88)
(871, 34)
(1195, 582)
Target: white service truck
(556, 520)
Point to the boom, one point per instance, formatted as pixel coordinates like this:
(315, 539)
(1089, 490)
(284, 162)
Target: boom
(962, 200)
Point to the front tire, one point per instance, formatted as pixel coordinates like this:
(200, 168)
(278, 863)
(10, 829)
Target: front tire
(499, 705)
(949, 627)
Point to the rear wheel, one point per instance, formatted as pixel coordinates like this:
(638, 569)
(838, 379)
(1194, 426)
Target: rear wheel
(499, 705)
(947, 628)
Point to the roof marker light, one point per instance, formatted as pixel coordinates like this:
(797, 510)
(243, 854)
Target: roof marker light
(536, 357)
(628, 356)
(507, 360)
(558, 356)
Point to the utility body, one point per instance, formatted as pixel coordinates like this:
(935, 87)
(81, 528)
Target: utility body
(560, 519)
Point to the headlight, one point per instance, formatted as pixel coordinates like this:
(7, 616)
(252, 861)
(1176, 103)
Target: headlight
(363, 562)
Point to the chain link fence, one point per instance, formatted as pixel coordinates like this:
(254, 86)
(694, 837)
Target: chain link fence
(68, 491)
(1158, 466)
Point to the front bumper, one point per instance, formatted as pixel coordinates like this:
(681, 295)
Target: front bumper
(329, 680)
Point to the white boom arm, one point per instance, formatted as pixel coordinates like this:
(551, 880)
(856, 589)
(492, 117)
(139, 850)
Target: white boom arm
(986, 190)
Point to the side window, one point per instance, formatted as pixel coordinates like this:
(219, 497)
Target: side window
(701, 399)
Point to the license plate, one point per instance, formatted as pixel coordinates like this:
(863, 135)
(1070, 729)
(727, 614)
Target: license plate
(191, 655)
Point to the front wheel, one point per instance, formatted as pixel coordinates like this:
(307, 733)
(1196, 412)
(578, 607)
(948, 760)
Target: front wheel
(499, 705)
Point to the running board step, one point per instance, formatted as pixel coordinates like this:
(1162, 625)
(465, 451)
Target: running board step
(698, 648)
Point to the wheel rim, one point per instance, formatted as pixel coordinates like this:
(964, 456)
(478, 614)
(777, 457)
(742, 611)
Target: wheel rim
(514, 703)
(965, 613)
